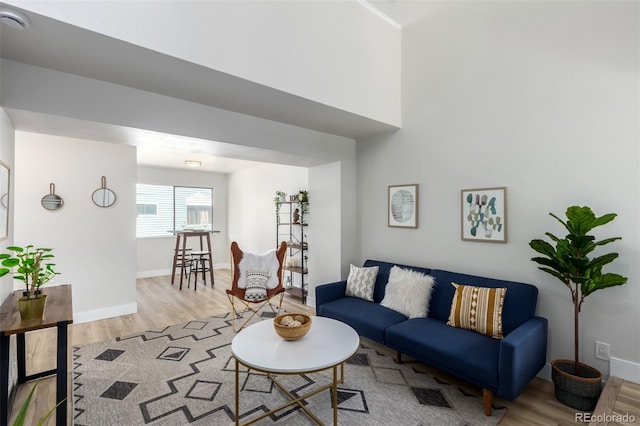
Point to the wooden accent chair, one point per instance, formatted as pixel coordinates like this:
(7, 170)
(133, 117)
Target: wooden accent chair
(237, 293)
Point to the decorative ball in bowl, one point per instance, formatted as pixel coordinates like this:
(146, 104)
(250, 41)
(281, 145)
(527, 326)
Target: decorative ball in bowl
(292, 326)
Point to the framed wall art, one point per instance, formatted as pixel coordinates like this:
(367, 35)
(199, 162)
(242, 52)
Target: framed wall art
(484, 214)
(403, 206)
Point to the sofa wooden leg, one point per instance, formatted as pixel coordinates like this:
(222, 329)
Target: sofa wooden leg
(487, 397)
(398, 357)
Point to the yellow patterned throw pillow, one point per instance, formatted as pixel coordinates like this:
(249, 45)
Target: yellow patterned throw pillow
(478, 309)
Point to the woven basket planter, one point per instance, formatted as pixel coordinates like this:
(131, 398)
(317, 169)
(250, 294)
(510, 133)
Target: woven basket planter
(577, 389)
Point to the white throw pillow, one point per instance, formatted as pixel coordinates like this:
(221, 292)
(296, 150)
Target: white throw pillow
(259, 262)
(361, 281)
(408, 292)
(256, 285)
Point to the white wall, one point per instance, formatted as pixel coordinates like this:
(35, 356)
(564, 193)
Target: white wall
(95, 247)
(331, 61)
(326, 230)
(331, 218)
(155, 255)
(7, 147)
(7, 140)
(540, 97)
(251, 209)
(53, 93)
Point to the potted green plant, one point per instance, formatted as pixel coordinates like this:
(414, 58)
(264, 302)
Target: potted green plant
(576, 384)
(303, 200)
(279, 198)
(32, 267)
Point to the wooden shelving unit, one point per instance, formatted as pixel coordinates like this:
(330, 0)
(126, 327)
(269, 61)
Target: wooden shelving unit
(294, 234)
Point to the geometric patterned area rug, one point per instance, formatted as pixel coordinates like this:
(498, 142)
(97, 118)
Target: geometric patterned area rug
(184, 374)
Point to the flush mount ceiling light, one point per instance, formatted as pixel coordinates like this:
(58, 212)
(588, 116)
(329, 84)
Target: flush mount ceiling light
(192, 163)
(14, 19)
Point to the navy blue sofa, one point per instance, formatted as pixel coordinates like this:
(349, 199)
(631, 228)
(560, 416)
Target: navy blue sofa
(500, 367)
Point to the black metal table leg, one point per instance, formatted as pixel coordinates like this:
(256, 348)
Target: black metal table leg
(4, 379)
(61, 376)
(22, 357)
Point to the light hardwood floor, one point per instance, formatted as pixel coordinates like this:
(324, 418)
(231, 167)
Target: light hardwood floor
(161, 304)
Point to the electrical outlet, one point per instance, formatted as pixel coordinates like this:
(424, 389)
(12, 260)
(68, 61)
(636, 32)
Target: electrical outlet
(602, 351)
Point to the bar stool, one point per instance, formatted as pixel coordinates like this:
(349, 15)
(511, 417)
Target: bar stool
(183, 260)
(200, 263)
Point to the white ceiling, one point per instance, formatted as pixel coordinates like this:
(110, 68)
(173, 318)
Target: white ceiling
(157, 157)
(56, 45)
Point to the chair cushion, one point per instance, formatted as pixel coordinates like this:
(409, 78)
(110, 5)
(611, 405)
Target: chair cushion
(256, 285)
(408, 292)
(360, 282)
(478, 309)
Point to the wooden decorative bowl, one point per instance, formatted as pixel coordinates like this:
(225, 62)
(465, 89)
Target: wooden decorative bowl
(295, 332)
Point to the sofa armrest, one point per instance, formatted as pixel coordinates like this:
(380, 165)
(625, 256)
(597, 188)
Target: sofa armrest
(523, 353)
(328, 292)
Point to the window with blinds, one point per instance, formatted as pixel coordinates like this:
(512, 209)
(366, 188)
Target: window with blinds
(164, 209)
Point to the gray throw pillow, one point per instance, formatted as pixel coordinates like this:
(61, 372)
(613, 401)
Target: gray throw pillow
(361, 282)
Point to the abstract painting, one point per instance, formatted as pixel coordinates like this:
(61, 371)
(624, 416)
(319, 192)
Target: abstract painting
(484, 214)
(403, 206)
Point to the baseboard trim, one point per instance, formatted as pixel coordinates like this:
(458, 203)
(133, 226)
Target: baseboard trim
(110, 312)
(624, 369)
(621, 368)
(154, 273)
(165, 272)
(545, 373)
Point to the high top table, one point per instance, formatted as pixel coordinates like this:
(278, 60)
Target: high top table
(327, 345)
(58, 313)
(181, 237)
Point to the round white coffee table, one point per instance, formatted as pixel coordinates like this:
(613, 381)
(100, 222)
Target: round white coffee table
(328, 344)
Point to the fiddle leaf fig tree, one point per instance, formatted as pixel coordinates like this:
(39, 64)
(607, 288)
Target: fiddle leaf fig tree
(569, 259)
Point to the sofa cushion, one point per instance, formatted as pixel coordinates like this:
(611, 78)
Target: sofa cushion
(368, 319)
(519, 302)
(384, 269)
(463, 353)
(408, 292)
(478, 309)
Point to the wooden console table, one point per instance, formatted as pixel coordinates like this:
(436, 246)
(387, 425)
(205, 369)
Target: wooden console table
(57, 313)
